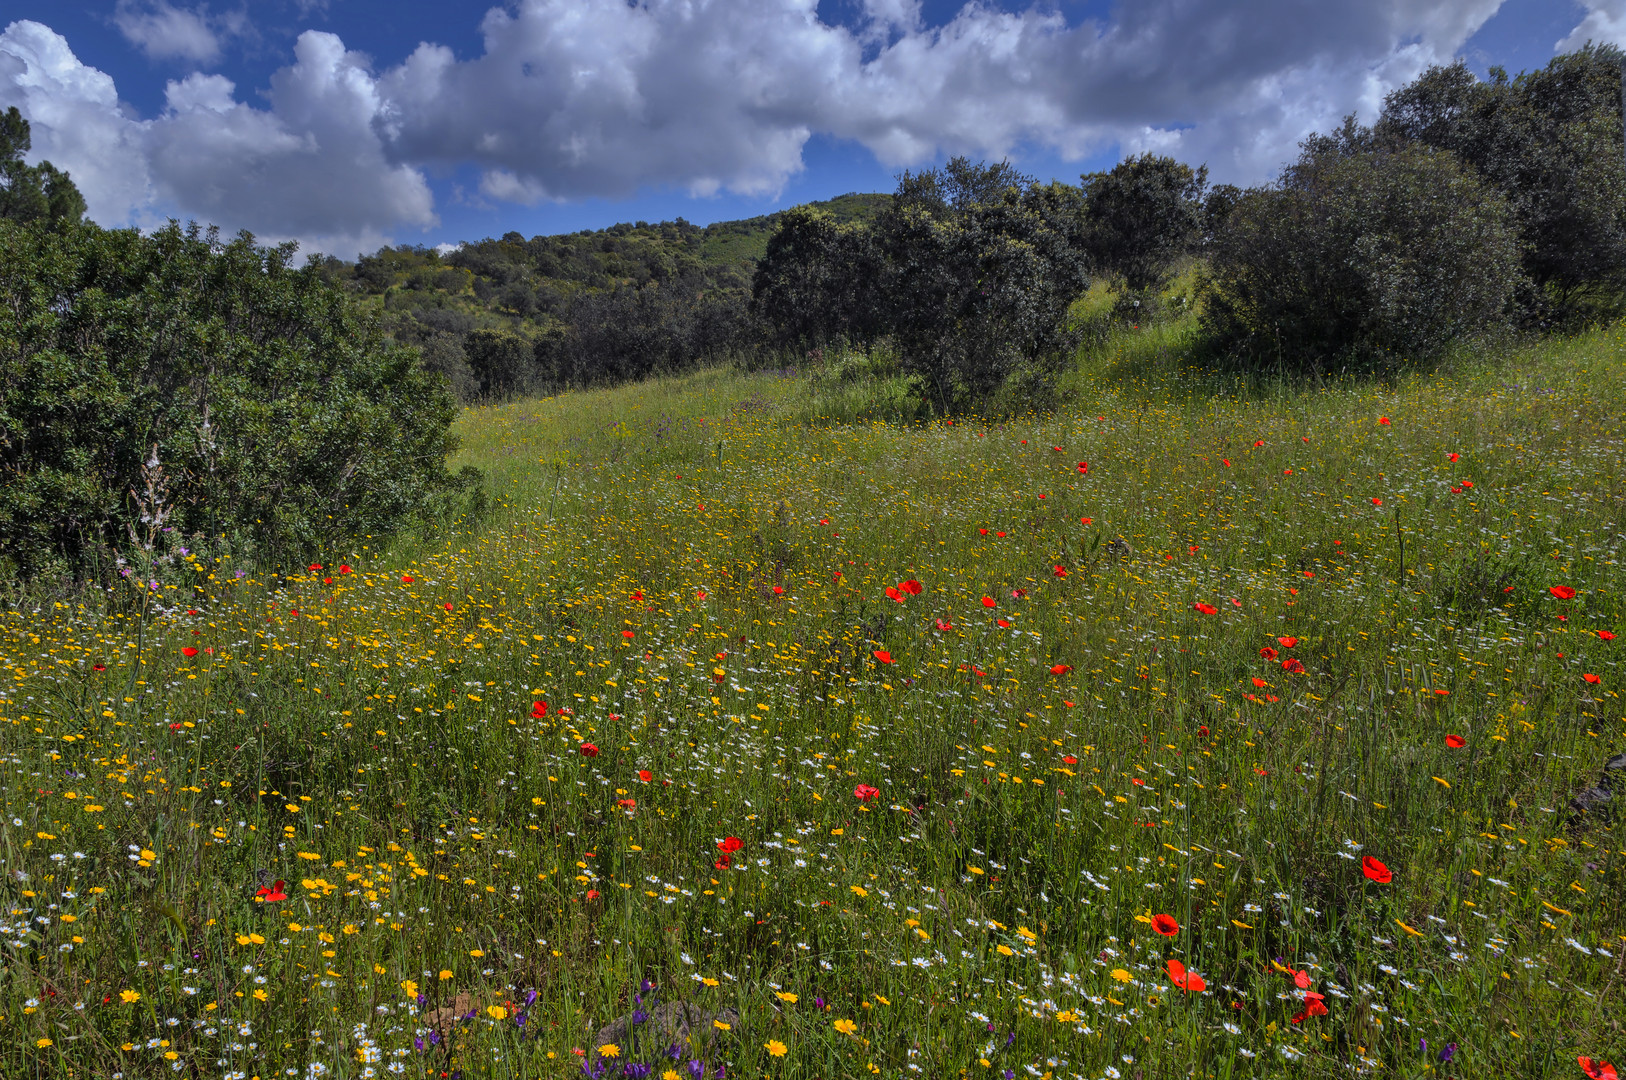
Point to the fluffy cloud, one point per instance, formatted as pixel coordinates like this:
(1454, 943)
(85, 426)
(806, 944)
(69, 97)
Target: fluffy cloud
(312, 167)
(1604, 24)
(577, 98)
(164, 32)
(76, 120)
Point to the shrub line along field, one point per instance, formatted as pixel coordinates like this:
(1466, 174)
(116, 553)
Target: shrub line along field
(1200, 728)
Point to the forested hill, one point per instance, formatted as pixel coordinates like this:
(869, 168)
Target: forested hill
(548, 287)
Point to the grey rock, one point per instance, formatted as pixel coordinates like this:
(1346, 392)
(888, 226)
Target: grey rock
(667, 1024)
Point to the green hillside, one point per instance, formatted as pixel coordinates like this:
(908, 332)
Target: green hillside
(547, 285)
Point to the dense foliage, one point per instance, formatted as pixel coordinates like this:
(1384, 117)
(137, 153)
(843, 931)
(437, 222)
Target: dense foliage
(590, 307)
(32, 192)
(969, 271)
(1550, 142)
(1376, 255)
(1142, 215)
(169, 393)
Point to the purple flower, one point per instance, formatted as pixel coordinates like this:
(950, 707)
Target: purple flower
(1449, 1052)
(417, 1043)
(818, 1003)
(639, 1016)
(1010, 1075)
(421, 1000)
(636, 1070)
(530, 998)
(646, 986)
(434, 1038)
(696, 1069)
(1422, 1046)
(674, 1051)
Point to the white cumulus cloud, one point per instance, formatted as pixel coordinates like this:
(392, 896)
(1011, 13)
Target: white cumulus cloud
(311, 167)
(165, 32)
(601, 98)
(1604, 24)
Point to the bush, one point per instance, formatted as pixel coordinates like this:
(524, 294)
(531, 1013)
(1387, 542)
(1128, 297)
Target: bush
(1372, 257)
(171, 391)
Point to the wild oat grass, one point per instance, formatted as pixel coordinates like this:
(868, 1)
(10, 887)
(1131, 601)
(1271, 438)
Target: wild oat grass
(672, 725)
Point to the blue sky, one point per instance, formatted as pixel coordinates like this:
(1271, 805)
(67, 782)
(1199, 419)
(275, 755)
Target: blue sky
(350, 123)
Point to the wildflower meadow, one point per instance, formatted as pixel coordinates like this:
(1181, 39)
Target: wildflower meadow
(1207, 726)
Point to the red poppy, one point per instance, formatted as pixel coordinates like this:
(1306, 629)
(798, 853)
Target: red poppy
(1004, 624)
(1258, 683)
(984, 532)
(406, 579)
(1383, 420)
(894, 594)
(1598, 1070)
(1235, 602)
(273, 893)
(1259, 442)
(1226, 462)
(1375, 870)
(627, 804)
(344, 569)
(1563, 592)
(1455, 742)
(589, 750)
(883, 656)
(1268, 653)
(944, 624)
(1453, 457)
(1202, 731)
(1606, 635)
(1190, 982)
(315, 566)
(1165, 925)
(865, 793)
(988, 601)
(1083, 468)
(1060, 669)
(448, 607)
(627, 634)
(912, 587)
(592, 894)
(645, 775)
(1206, 609)
(1293, 666)
(1591, 678)
(1059, 571)
(99, 667)
(1018, 594)
(327, 581)
(1085, 521)
(189, 652)
(730, 844)
(1314, 1005)
(1069, 759)
(778, 590)
(1377, 501)
(1288, 642)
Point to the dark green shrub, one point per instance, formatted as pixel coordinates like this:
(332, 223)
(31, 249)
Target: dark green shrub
(1370, 257)
(174, 391)
(1141, 216)
(1550, 142)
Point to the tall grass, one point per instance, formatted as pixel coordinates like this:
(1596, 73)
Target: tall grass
(1085, 718)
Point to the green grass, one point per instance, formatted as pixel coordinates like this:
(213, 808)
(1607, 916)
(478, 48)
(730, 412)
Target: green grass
(700, 580)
